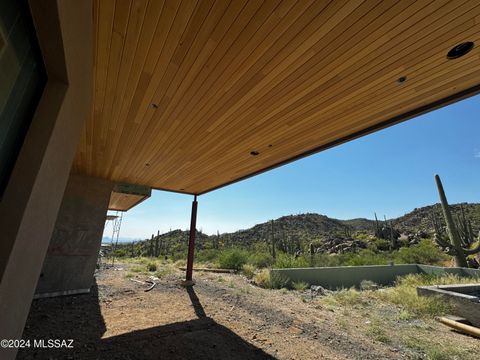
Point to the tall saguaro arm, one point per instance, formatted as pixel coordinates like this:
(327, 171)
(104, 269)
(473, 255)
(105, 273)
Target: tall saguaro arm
(459, 240)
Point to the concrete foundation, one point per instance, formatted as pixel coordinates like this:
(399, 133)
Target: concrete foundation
(464, 299)
(348, 276)
(73, 251)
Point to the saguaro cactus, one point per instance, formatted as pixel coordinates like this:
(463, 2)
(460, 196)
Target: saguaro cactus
(157, 244)
(455, 242)
(274, 253)
(312, 253)
(386, 231)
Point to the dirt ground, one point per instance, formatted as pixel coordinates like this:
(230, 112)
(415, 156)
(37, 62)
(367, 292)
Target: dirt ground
(222, 317)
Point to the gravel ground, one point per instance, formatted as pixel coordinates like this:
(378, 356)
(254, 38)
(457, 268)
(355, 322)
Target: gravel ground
(222, 317)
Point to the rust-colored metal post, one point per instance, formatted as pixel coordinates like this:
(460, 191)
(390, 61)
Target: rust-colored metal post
(191, 241)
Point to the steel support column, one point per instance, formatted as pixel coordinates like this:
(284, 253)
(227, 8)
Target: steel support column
(191, 241)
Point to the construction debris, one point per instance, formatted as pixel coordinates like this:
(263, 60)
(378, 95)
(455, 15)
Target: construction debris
(468, 329)
(152, 281)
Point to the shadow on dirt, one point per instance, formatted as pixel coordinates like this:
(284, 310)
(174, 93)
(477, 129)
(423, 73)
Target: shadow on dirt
(79, 318)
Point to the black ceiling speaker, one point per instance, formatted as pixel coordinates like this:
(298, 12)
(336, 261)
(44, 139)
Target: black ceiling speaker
(460, 50)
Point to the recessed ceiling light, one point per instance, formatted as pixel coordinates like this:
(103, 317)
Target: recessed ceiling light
(402, 79)
(460, 50)
(254, 153)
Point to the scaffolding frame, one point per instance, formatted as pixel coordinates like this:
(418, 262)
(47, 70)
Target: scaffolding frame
(117, 224)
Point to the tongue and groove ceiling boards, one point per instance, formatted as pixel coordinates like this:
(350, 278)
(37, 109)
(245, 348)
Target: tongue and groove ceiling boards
(192, 95)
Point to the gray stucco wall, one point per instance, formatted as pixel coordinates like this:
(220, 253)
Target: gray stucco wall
(72, 254)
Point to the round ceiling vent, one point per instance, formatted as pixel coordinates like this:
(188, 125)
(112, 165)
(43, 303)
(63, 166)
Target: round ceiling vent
(460, 50)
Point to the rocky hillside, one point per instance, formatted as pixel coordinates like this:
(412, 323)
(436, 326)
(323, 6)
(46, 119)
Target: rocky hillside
(298, 231)
(420, 218)
(301, 227)
(314, 226)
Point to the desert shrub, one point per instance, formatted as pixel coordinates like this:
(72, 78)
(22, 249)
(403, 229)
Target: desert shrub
(284, 261)
(180, 263)
(137, 269)
(345, 298)
(424, 252)
(233, 259)
(248, 270)
(367, 257)
(278, 281)
(260, 259)
(377, 333)
(271, 280)
(361, 235)
(300, 286)
(179, 255)
(121, 252)
(207, 255)
(262, 278)
(151, 266)
(166, 270)
(382, 244)
(325, 260)
(136, 260)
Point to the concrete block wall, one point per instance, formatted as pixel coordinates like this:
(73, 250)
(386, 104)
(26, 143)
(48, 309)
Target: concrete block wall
(73, 251)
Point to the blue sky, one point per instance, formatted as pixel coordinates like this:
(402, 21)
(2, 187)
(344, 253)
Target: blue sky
(389, 172)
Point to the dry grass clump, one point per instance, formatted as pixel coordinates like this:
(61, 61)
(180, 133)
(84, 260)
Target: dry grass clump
(271, 280)
(300, 286)
(151, 266)
(249, 271)
(165, 270)
(349, 298)
(180, 263)
(262, 278)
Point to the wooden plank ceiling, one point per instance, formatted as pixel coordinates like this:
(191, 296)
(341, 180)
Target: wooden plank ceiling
(186, 90)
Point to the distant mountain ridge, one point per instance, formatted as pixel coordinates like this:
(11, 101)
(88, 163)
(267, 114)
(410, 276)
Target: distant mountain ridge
(313, 226)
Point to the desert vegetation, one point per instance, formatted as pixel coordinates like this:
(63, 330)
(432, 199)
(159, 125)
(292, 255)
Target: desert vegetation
(313, 240)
